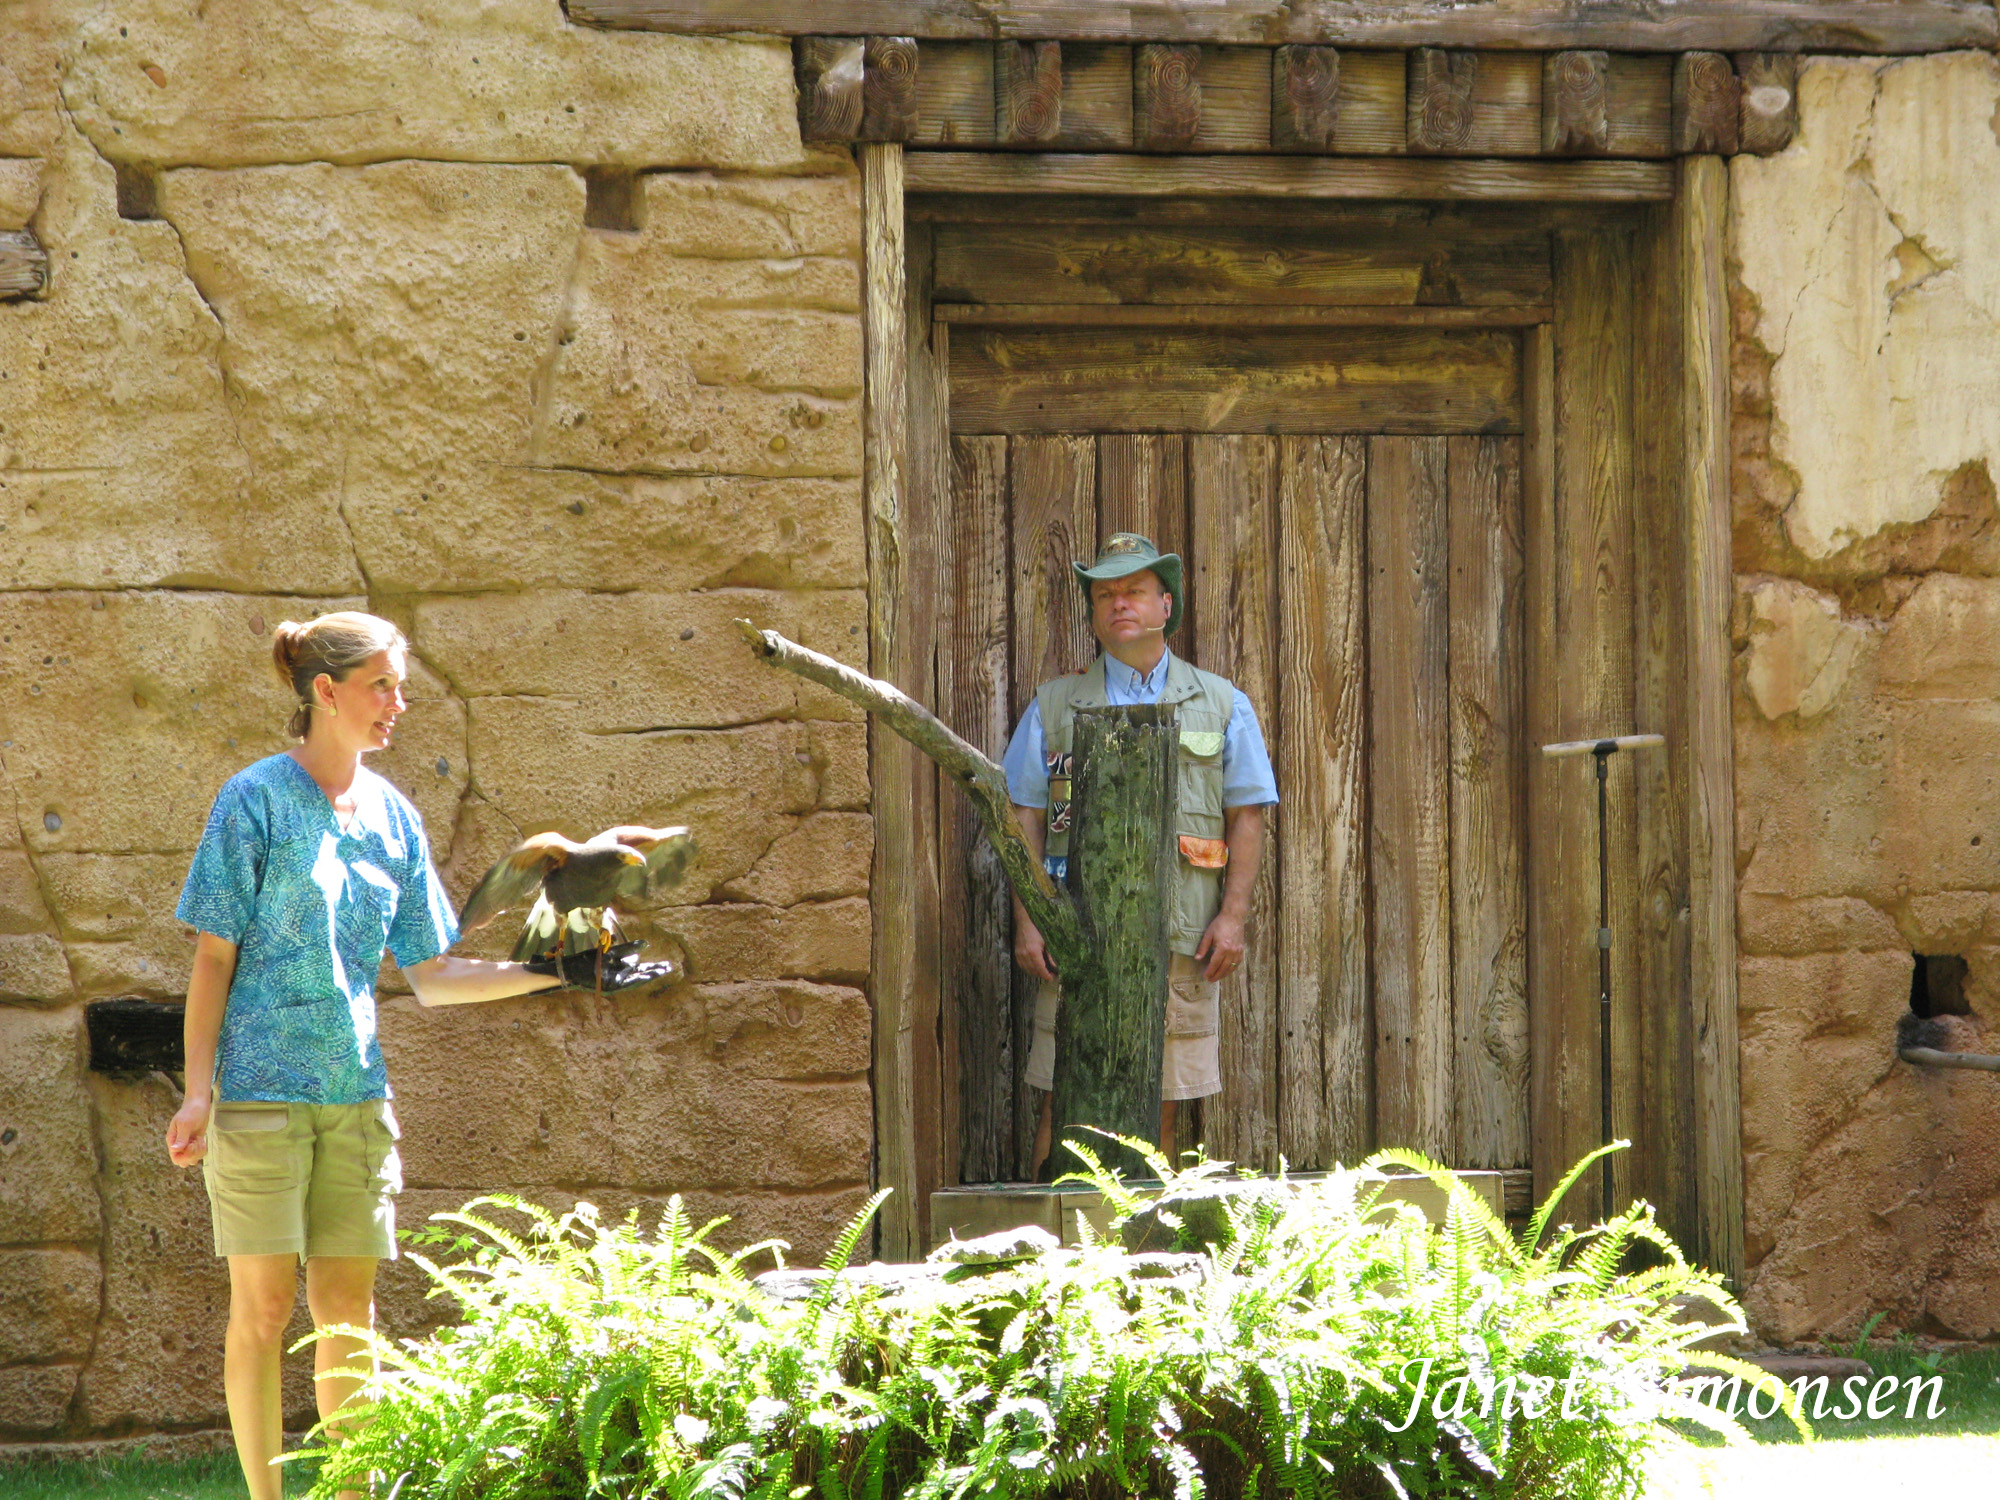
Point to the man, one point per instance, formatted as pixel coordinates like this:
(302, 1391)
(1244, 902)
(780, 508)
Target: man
(1225, 785)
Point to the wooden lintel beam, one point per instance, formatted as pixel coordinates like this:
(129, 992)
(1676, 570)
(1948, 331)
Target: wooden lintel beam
(1166, 96)
(1027, 92)
(1576, 116)
(1852, 26)
(1233, 315)
(1433, 178)
(24, 265)
(1770, 101)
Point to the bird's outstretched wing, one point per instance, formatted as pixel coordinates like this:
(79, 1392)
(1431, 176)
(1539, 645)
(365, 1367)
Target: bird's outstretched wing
(515, 878)
(667, 852)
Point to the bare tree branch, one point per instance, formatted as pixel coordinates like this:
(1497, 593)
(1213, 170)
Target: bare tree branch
(981, 780)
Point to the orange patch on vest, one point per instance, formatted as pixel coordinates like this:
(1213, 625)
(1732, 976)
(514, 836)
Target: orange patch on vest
(1204, 854)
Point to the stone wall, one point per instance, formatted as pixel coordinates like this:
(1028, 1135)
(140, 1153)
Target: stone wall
(360, 347)
(1867, 388)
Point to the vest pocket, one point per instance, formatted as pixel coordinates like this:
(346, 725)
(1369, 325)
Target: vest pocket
(1202, 744)
(1204, 854)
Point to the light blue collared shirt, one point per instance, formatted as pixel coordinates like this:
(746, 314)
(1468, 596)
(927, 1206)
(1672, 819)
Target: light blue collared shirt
(310, 907)
(1247, 779)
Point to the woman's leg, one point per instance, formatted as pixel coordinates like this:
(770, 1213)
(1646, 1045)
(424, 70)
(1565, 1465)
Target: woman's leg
(340, 1289)
(262, 1289)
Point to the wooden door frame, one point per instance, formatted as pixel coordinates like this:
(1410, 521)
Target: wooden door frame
(1680, 459)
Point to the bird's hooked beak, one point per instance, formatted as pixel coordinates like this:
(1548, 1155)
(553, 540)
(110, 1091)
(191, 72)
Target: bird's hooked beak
(628, 856)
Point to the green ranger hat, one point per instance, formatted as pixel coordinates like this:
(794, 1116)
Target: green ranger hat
(1126, 552)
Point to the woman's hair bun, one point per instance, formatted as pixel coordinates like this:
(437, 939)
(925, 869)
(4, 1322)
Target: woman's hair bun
(286, 642)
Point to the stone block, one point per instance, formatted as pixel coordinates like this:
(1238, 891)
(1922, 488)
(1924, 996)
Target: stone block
(1862, 246)
(840, 759)
(20, 190)
(737, 788)
(1801, 651)
(826, 856)
(239, 84)
(1780, 926)
(468, 525)
(124, 462)
(35, 1399)
(117, 911)
(653, 376)
(1944, 642)
(48, 1164)
(48, 1304)
(553, 1090)
(138, 707)
(30, 82)
(712, 216)
(410, 306)
(826, 940)
(643, 661)
(34, 969)
(157, 1361)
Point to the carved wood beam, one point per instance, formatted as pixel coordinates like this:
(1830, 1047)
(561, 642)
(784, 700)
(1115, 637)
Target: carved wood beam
(854, 88)
(1853, 26)
(24, 265)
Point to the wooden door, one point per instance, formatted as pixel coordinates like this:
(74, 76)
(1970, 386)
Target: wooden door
(1364, 590)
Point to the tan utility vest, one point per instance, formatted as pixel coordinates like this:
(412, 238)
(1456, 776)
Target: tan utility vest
(1202, 702)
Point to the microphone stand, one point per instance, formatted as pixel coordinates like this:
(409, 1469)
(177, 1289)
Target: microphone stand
(1602, 750)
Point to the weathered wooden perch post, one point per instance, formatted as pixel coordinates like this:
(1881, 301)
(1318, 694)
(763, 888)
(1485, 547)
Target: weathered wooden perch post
(1107, 931)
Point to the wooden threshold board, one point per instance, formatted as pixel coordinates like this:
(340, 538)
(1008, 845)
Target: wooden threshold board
(1291, 176)
(1203, 315)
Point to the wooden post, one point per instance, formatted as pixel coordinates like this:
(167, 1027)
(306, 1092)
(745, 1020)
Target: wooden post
(1700, 209)
(1166, 97)
(892, 766)
(1027, 92)
(1707, 105)
(1576, 120)
(1111, 1030)
(1770, 100)
(24, 265)
(1305, 98)
(830, 72)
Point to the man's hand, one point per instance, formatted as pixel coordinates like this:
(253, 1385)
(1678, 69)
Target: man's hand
(1029, 950)
(187, 1132)
(1222, 946)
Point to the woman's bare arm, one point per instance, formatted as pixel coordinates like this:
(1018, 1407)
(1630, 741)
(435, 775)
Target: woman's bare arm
(446, 980)
(207, 998)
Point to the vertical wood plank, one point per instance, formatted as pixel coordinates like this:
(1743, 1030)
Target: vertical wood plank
(1305, 98)
(1548, 956)
(830, 73)
(1663, 1150)
(893, 764)
(974, 902)
(1166, 96)
(1326, 1042)
(1409, 818)
(1142, 487)
(1232, 504)
(1051, 496)
(1027, 92)
(1593, 624)
(1489, 939)
(1700, 208)
(927, 487)
(889, 88)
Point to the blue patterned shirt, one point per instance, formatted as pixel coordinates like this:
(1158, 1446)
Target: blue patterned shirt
(310, 909)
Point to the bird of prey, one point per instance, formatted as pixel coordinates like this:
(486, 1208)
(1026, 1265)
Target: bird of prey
(578, 889)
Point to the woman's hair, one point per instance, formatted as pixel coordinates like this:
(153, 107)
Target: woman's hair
(334, 644)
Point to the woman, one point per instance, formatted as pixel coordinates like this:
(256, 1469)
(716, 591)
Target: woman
(311, 864)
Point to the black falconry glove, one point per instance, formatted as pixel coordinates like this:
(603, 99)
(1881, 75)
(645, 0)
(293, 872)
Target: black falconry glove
(616, 968)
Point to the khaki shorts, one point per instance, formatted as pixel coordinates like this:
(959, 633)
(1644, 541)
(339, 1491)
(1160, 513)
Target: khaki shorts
(1190, 1067)
(304, 1179)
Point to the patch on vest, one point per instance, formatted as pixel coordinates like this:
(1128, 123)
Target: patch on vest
(1204, 854)
(1059, 775)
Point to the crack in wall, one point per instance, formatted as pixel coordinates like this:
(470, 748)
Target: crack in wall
(561, 331)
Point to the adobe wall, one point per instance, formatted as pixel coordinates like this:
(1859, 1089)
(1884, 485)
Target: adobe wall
(1867, 389)
(369, 352)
